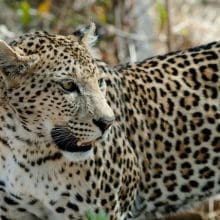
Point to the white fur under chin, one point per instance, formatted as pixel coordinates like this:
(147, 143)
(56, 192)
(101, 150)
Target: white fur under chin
(78, 156)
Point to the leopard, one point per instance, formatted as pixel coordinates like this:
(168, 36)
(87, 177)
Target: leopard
(137, 140)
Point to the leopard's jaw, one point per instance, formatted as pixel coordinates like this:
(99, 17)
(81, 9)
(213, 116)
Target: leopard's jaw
(78, 156)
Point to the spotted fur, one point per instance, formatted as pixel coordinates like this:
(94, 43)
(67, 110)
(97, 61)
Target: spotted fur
(161, 153)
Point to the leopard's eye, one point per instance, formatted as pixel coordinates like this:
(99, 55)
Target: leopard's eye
(69, 86)
(101, 83)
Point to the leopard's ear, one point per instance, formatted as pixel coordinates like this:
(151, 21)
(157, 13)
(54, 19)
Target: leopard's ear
(87, 35)
(14, 64)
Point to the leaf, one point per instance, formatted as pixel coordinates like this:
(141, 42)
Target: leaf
(25, 12)
(101, 14)
(106, 3)
(92, 216)
(102, 216)
(163, 14)
(44, 7)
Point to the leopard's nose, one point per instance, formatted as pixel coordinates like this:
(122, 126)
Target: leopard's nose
(104, 123)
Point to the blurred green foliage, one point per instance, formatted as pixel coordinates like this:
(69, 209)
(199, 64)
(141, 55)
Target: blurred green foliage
(117, 21)
(49, 14)
(162, 12)
(92, 216)
(24, 8)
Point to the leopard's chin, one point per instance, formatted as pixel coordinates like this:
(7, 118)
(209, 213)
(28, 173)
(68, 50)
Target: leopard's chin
(66, 141)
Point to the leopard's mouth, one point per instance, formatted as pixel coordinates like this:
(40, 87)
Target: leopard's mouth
(66, 141)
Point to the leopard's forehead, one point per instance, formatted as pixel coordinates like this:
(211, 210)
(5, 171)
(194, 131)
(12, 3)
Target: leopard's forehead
(40, 42)
(65, 54)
